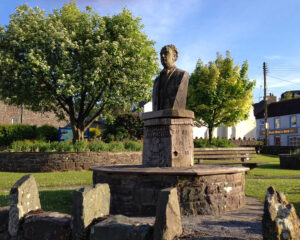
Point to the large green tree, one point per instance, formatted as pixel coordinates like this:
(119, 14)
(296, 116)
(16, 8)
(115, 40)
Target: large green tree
(220, 93)
(75, 63)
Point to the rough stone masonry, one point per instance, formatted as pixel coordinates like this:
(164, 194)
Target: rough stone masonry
(280, 220)
(24, 197)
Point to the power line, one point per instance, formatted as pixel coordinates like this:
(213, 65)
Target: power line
(282, 79)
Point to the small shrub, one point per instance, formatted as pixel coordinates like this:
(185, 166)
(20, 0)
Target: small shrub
(47, 133)
(98, 146)
(95, 133)
(43, 146)
(116, 147)
(133, 146)
(66, 146)
(296, 152)
(81, 146)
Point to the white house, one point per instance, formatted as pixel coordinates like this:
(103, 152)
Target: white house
(242, 129)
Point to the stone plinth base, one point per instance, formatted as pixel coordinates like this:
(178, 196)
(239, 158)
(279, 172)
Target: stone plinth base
(208, 190)
(168, 138)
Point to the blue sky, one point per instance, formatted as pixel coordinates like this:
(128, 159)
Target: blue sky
(254, 30)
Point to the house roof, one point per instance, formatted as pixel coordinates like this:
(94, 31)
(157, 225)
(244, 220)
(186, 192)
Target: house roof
(286, 107)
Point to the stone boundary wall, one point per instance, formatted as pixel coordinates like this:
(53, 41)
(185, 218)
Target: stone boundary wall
(276, 150)
(51, 162)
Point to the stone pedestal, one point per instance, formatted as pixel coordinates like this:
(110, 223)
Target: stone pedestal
(202, 190)
(168, 138)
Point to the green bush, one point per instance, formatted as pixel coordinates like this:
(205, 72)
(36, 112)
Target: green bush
(66, 146)
(98, 146)
(47, 133)
(125, 127)
(133, 146)
(116, 147)
(216, 142)
(95, 133)
(15, 132)
(29, 146)
(296, 152)
(81, 146)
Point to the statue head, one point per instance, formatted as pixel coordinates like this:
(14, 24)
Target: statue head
(168, 55)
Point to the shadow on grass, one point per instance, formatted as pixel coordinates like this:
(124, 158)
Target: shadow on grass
(56, 200)
(269, 166)
(51, 200)
(4, 199)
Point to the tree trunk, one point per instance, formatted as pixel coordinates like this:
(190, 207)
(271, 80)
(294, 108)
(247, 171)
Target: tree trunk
(210, 130)
(78, 133)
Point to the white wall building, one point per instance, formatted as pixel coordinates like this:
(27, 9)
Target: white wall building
(242, 129)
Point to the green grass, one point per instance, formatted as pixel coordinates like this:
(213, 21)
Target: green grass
(51, 179)
(60, 200)
(51, 200)
(290, 187)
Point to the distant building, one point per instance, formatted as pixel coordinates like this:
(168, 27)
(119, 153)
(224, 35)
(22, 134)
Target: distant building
(293, 93)
(283, 120)
(13, 114)
(243, 129)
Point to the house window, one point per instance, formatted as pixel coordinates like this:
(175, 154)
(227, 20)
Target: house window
(277, 123)
(294, 141)
(262, 125)
(14, 120)
(293, 121)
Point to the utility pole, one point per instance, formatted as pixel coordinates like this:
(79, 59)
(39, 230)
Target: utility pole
(21, 118)
(266, 104)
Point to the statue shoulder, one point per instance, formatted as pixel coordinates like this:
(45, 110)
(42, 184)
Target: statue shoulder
(181, 72)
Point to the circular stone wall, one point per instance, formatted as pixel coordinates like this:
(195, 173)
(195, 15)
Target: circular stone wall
(288, 161)
(209, 191)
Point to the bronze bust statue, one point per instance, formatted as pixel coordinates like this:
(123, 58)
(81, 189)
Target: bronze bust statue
(170, 87)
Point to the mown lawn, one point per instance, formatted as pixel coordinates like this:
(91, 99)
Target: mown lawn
(60, 200)
(51, 179)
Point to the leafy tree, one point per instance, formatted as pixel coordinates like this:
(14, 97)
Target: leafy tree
(75, 63)
(287, 96)
(125, 126)
(220, 93)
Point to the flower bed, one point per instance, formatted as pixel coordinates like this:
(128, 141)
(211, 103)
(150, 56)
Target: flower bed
(52, 161)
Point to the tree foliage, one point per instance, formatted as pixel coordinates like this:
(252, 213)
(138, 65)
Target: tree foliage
(75, 63)
(220, 93)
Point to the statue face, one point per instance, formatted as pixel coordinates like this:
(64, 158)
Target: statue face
(167, 58)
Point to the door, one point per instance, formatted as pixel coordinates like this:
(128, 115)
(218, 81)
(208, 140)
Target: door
(277, 140)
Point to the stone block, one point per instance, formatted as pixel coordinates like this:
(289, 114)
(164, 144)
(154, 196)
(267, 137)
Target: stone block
(168, 220)
(4, 213)
(24, 197)
(89, 203)
(120, 227)
(46, 226)
(168, 140)
(280, 220)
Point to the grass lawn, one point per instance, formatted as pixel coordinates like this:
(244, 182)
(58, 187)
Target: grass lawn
(51, 179)
(60, 200)
(51, 200)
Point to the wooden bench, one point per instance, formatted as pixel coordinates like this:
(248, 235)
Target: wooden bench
(250, 165)
(241, 153)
